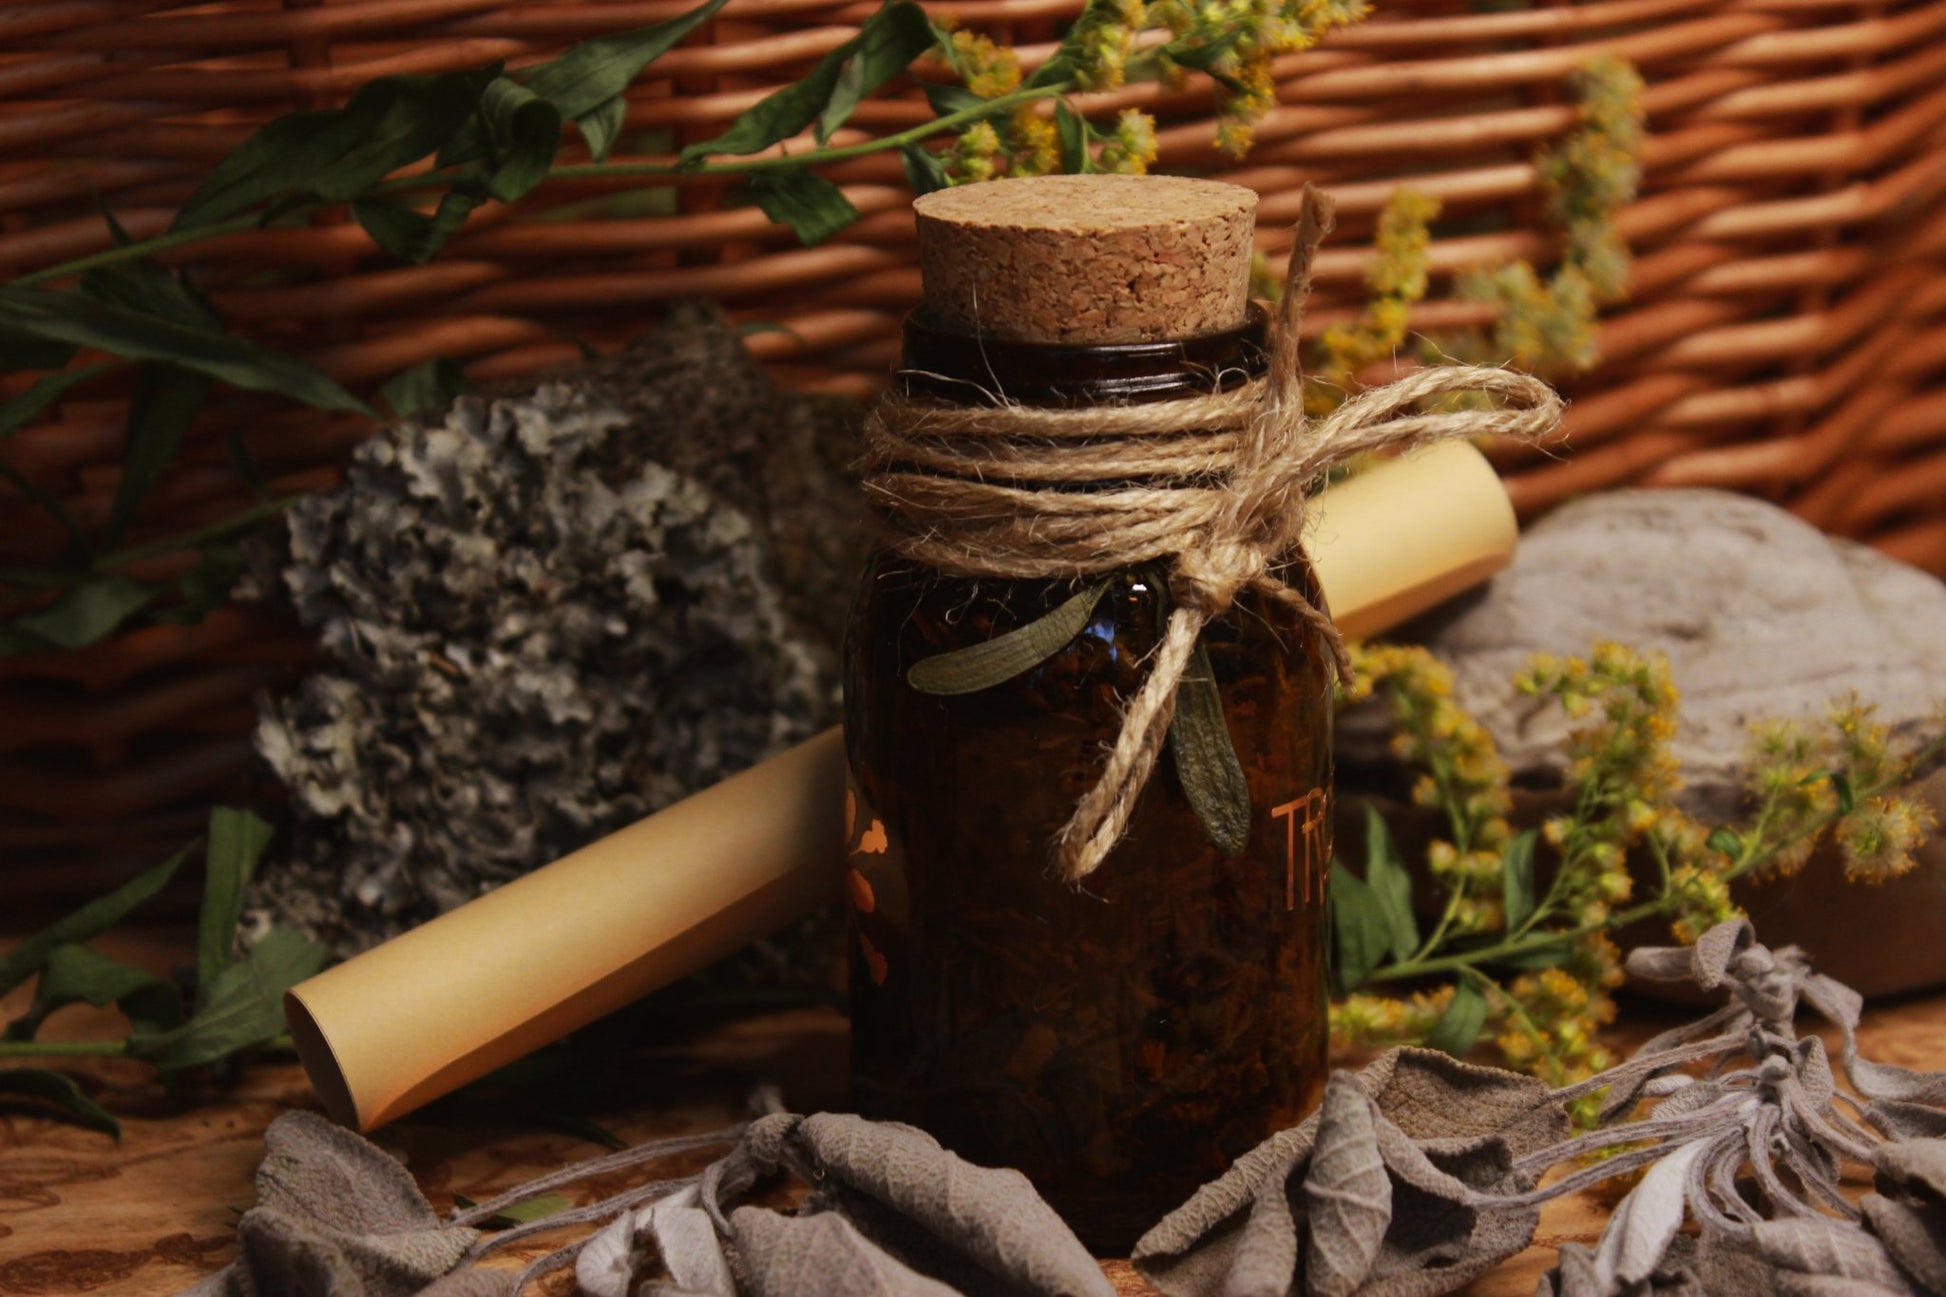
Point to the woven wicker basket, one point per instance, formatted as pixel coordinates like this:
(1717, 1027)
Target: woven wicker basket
(1785, 334)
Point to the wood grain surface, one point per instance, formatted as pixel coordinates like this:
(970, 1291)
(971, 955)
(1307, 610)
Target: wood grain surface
(148, 1216)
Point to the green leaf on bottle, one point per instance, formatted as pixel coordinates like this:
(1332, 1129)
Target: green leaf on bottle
(523, 133)
(601, 126)
(1725, 840)
(813, 207)
(1206, 760)
(884, 47)
(984, 665)
(1072, 127)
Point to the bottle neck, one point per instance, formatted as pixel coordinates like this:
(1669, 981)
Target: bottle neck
(972, 369)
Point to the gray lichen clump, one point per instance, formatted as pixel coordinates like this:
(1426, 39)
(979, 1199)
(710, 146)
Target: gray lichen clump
(542, 626)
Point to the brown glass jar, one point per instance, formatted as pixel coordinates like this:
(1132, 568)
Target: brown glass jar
(1123, 1040)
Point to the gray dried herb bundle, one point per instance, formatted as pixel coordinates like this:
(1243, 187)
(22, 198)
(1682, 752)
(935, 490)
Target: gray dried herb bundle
(546, 618)
(1418, 1173)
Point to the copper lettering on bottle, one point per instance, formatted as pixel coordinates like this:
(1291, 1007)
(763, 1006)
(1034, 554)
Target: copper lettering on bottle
(1303, 817)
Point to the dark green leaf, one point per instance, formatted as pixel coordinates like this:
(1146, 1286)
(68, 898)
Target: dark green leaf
(77, 975)
(923, 169)
(981, 666)
(1517, 879)
(846, 92)
(412, 235)
(1391, 885)
(523, 133)
(812, 206)
(1841, 784)
(1206, 56)
(205, 587)
(91, 609)
(1076, 157)
(147, 289)
(1459, 1027)
(90, 921)
(18, 351)
(1360, 936)
(165, 403)
(242, 1006)
(429, 385)
(528, 1210)
(61, 1093)
(590, 74)
(1206, 761)
(84, 321)
(337, 156)
(17, 413)
(14, 641)
(236, 840)
(884, 47)
(1072, 49)
(946, 100)
(602, 125)
(1726, 841)
(237, 445)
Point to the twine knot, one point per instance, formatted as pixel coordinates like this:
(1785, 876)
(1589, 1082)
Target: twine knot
(1207, 578)
(1211, 485)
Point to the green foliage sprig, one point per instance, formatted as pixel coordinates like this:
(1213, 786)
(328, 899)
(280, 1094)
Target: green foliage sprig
(1523, 944)
(410, 158)
(232, 1001)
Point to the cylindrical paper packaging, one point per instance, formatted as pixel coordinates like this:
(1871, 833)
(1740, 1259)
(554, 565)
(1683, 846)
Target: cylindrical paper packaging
(446, 1003)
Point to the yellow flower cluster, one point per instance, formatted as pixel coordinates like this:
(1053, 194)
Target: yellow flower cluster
(1397, 279)
(1880, 835)
(1376, 1020)
(1548, 325)
(1551, 1025)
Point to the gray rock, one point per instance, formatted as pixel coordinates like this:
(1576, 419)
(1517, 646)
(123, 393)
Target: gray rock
(1760, 615)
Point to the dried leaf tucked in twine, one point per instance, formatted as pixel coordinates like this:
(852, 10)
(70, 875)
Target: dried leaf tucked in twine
(1417, 1175)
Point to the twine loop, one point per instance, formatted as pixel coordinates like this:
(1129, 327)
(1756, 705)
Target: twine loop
(1212, 485)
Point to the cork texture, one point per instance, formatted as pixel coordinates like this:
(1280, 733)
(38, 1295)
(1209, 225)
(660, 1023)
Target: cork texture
(1087, 259)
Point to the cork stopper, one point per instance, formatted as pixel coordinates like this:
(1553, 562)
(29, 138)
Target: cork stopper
(1087, 259)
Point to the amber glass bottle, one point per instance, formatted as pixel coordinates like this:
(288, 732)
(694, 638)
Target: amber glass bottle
(1122, 1040)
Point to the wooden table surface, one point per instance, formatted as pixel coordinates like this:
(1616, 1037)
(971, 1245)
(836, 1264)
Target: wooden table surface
(80, 1213)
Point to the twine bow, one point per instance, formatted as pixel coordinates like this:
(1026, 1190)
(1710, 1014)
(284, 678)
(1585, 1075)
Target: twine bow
(1213, 485)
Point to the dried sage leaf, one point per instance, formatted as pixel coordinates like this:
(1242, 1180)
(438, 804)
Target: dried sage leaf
(981, 666)
(1915, 1238)
(789, 1256)
(1206, 760)
(1639, 1232)
(1347, 1194)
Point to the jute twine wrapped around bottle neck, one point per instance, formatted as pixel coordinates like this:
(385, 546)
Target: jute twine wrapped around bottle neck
(1212, 485)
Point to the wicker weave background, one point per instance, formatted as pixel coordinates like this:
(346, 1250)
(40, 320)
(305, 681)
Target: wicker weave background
(1786, 333)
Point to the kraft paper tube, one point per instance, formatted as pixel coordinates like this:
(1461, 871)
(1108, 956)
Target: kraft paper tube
(451, 1000)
